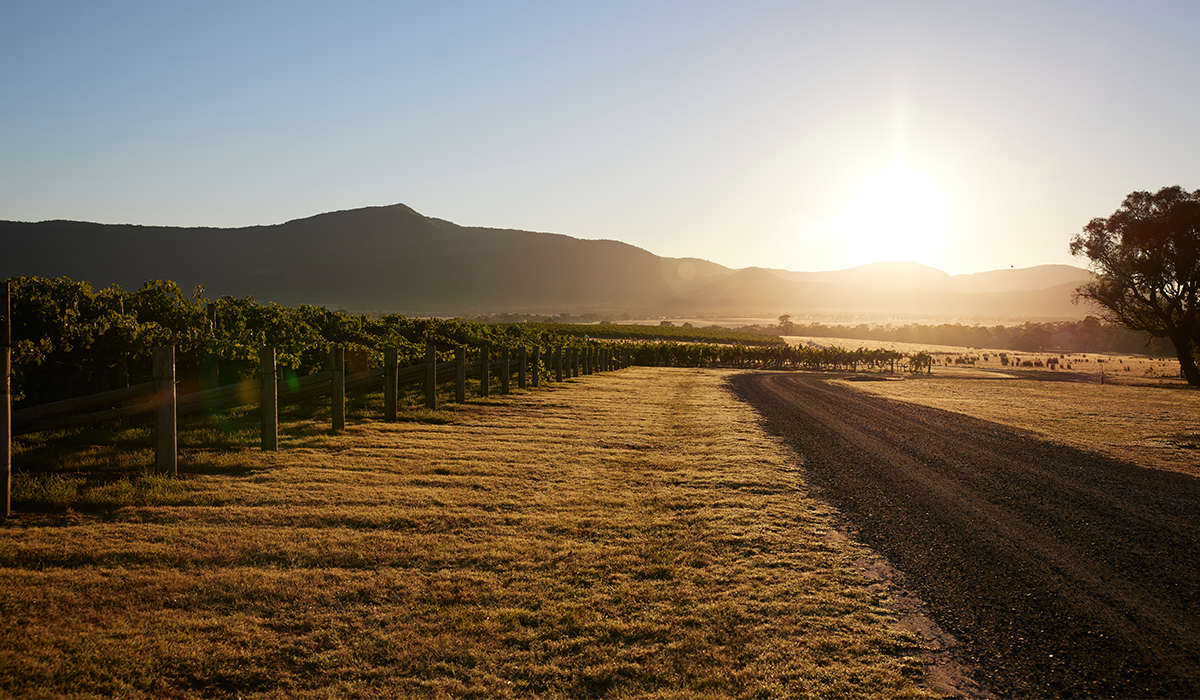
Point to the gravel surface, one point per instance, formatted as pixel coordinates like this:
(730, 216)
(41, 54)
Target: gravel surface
(1061, 573)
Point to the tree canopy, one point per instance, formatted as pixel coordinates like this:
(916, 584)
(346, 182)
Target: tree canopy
(1146, 258)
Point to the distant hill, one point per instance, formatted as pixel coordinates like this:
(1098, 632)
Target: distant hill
(394, 259)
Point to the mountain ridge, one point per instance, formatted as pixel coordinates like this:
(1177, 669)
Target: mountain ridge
(394, 259)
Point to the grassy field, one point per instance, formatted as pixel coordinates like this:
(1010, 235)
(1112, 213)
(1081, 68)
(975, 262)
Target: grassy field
(1132, 407)
(632, 534)
(1152, 426)
(1137, 370)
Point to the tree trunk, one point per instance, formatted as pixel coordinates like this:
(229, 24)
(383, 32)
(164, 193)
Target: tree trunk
(1187, 363)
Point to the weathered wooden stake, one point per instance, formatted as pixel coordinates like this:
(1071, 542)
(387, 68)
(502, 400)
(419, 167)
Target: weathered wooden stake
(460, 375)
(431, 376)
(269, 402)
(337, 388)
(522, 367)
(165, 445)
(485, 373)
(6, 399)
(537, 368)
(558, 363)
(6, 428)
(574, 362)
(505, 370)
(391, 386)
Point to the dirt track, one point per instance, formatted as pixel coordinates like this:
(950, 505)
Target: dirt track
(1062, 574)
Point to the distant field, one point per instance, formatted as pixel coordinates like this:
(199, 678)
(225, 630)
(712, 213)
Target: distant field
(629, 534)
(1117, 368)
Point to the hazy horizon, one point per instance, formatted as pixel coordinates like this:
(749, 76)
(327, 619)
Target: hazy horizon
(798, 136)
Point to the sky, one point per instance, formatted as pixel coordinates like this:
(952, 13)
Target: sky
(799, 135)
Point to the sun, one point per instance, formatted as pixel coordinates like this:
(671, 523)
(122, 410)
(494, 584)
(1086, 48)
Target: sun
(895, 214)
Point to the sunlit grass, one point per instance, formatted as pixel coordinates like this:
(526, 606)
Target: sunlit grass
(633, 535)
(1153, 426)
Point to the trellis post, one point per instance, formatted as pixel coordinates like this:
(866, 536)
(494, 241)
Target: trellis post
(337, 388)
(269, 399)
(537, 351)
(522, 362)
(165, 441)
(460, 375)
(485, 372)
(6, 399)
(505, 369)
(431, 376)
(391, 386)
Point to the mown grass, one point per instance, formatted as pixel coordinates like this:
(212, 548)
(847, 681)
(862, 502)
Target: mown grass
(628, 535)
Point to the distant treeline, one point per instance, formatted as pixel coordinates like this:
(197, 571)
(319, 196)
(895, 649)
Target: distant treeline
(1088, 335)
(682, 334)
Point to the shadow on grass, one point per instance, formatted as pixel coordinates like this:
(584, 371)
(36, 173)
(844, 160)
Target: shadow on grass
(103, 468)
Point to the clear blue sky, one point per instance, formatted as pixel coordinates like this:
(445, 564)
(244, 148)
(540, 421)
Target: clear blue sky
(737, 132)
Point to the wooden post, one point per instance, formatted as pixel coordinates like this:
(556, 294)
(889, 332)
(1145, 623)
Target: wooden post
(537, 368)
(574, 362)
(558, 363)
(337, 388)
(505, 370)
(485, 372)
(460, 375)
(391, 386)
(522, 367)
(165, 441)
(269, 403)
(431, 376)
(6, 399)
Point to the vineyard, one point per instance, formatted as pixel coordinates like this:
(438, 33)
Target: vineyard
(70, 340)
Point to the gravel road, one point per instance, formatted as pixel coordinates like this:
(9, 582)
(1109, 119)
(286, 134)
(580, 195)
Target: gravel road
(1061, 573)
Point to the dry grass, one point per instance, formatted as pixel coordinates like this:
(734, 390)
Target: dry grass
(1135, 370)
(1151, 425)
(630, 535)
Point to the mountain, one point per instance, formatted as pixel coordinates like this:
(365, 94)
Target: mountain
(393, 258)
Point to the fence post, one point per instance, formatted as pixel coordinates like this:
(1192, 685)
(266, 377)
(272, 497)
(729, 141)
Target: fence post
(485, 374)
(165, 441)
(431, 376)
(558, 364)
(6, 399)
(460, 375)
(337, 387)
(522, 362)
(269, 401)
(574, 362)
(537, 352)
(505, 370)
(391, 387)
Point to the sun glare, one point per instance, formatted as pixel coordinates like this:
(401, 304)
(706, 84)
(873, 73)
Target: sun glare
(895, 214)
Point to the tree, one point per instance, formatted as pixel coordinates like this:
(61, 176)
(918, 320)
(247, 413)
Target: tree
(785, 324)
(1146, 258)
